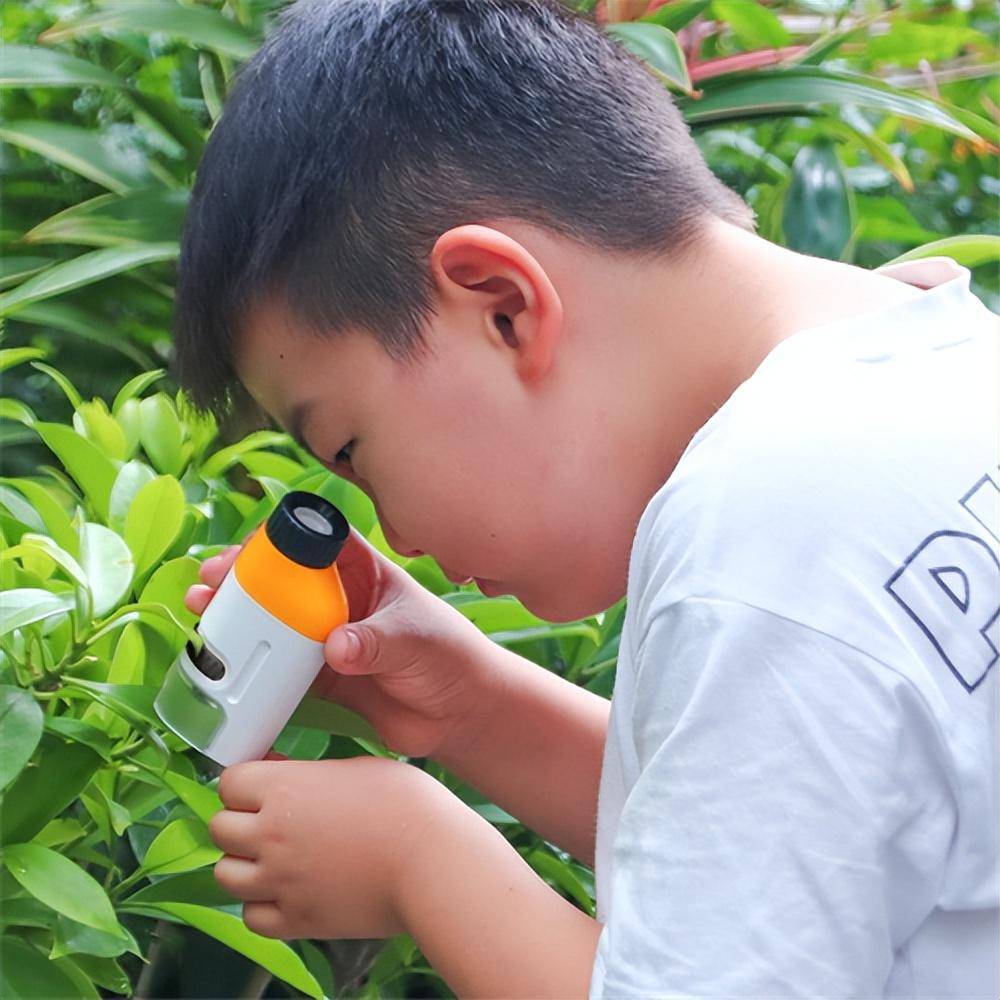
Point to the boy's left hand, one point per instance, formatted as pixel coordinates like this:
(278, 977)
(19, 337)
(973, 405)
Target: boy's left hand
(315, 848)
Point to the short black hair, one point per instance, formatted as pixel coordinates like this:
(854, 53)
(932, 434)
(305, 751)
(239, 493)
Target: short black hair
(363, 129)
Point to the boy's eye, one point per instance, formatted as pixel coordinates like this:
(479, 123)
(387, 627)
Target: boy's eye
(344, 455)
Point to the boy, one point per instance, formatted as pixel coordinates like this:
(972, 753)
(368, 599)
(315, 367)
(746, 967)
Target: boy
(469, 255)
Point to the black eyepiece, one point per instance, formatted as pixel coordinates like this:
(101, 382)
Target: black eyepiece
(308, 529)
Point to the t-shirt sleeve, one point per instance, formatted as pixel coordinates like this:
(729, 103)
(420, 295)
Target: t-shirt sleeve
(791, 820)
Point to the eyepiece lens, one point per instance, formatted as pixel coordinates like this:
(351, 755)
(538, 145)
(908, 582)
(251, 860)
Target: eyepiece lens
(313, 520)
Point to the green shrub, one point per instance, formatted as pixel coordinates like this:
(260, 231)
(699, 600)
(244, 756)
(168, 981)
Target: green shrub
(103, 812)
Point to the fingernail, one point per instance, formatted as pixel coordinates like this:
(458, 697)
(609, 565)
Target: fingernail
(352, 645)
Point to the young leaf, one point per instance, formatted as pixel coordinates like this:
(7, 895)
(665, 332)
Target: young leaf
(153, 520)
(107, 563)
(26, 605)
(180, 846)
(93, 472)
(161, 433)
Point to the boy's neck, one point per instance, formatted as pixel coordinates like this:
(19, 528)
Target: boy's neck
(673, 337)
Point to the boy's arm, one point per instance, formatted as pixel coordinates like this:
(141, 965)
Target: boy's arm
(486, 922)
(539, 756)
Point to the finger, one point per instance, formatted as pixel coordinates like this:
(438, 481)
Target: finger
(264, 918)
(275, 755)
(197, 597)
(239, 786)
(213, 570)
(243, 879)
(235, 833)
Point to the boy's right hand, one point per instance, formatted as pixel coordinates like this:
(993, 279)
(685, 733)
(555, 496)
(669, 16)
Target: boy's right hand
(423, 676)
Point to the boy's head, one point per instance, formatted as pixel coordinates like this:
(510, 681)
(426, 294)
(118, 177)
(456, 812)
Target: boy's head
(408, 220)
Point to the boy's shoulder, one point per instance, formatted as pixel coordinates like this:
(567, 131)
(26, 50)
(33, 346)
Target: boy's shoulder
(824, 473)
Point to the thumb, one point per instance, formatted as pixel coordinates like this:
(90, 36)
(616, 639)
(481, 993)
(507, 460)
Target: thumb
(356, 648)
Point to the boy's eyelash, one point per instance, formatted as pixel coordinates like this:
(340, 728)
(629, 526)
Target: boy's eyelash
(344, 455)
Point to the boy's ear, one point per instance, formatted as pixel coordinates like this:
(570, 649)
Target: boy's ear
(479, 268)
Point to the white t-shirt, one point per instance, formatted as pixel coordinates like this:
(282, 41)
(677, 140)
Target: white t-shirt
(799, 793)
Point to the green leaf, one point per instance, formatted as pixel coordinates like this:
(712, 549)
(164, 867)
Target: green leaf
(80, 731)
(203, 801)
(14, 409)
(199, 27)
(36, 66)
(275, 956)
(95, 423)
(27, 973)
(94, 473)
(656, 46)
(48, 548)
(20, 730)
(180, 846)
(328, 716)
(58, 314)
(26, 605)
(134, 702)
(969, 251)
(14, 270)
(69, 390)
(46, 787)
(11, 356)
(107, 563)
(300, 743)
(147, 216)
(91, 154)
(677, 14)
(20, 509)
(61, 884)
(131, 478)
(71, 937)
(153, 520)
(167, 586)
(56, 520)
(84, 270)
(105, 972)
(197, 887)
(136, 386)
(906, 43)
(817, 216)
(161, 433)
(799, 89)
(753, 24)
(224, 458)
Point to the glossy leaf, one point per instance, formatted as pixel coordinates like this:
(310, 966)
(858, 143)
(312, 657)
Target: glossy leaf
(25, 605)
(55, 519)
(161, 434)
(275, 956)
(11, 356)
(817, 214)
(153, 520)
(180, 846)
(20, 730)
(108, 565)
(42, 790)
(131, 478)
(25, 973)
(135, 386)
(656, 46)
(62, 885)
(797, 90)
(203, 801)
(93, 472)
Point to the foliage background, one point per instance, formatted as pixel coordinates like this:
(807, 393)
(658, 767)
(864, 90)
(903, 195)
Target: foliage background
(858, 130)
